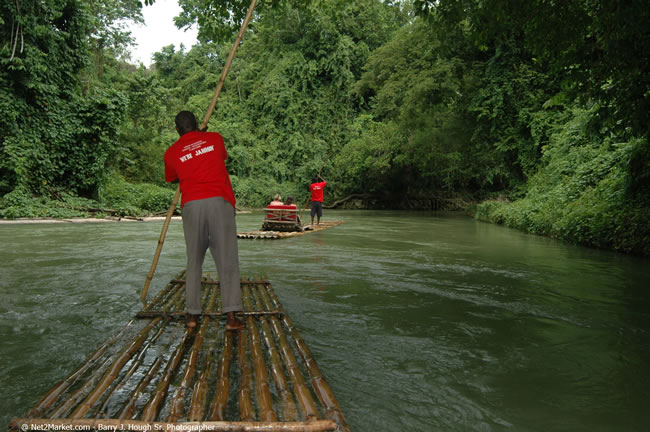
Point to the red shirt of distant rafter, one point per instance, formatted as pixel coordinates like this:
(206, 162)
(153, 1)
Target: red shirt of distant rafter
(198, 160)
(317, 190)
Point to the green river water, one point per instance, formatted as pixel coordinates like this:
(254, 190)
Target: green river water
(419, 321)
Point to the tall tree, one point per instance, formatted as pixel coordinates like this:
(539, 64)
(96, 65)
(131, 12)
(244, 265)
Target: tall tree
(51, 138)
(109, 20)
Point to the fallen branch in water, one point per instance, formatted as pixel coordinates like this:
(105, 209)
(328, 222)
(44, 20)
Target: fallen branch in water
(347, 198)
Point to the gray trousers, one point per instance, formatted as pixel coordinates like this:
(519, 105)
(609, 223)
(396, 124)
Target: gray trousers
(210, 223)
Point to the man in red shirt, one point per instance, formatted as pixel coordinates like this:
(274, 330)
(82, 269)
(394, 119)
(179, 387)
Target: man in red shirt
(317, 189)
(197, 161)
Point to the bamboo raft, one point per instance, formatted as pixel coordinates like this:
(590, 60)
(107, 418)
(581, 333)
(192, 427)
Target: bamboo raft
(156, 374)
(274, 235)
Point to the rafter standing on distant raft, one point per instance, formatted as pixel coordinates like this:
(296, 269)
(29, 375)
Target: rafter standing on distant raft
(317, 188)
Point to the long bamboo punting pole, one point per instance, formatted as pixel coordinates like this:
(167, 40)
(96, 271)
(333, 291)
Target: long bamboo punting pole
(320, 385)
(226, 68)
(40, 424)
(53, 395)
(289, 409)
(208, 114)
(220, 401)
(264, 398)
(161, 241)
(113, 371)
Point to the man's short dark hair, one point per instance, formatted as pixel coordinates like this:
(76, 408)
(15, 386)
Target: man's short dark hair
(314, 179)
(186, 122)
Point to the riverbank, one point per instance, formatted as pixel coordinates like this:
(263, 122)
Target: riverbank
(109, 219)
(23, 221)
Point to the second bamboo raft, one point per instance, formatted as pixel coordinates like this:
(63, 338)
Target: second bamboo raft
(155, 374)
(275, 235)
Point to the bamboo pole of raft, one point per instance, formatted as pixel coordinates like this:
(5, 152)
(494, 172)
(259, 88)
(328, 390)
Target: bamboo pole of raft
(114, 370)
(208, 114)
(264, 398)
(178, 402)
(166, 292)
(220, 401)
(40, 424)
(289, 409)
(320, 385)
(129, 408)
(171, 315)
(246, 410)
(112, 373)
(303, 395)
(200, 390)
(135, 364)
(53, 395)
(150, 411)
(213, 282)
(82, 392)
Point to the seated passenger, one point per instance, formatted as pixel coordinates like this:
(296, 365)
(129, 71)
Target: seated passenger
(290, 202)
(277, 200)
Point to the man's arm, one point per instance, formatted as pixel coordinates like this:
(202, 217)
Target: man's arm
(170, 173)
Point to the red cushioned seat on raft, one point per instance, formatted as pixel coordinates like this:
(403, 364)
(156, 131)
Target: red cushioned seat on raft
(281, 218)
(281, 212)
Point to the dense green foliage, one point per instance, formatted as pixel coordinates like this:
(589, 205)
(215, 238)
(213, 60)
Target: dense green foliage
(541, 108)
(55, 136)
(579, 193)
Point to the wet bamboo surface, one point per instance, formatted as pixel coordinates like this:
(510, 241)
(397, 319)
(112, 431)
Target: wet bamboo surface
(156, 374)
(275, 235)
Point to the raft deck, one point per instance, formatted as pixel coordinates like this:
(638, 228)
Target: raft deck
(274, 235)
(156, 374)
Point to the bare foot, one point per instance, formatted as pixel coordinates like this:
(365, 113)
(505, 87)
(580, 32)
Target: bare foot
(233, 323)
(191, 320)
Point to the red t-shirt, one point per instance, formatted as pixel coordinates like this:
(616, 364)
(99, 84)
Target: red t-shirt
(317, 191)
(197, 159)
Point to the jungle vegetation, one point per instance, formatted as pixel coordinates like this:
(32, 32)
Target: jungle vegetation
(533, 113)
